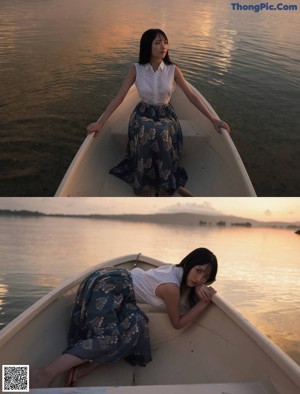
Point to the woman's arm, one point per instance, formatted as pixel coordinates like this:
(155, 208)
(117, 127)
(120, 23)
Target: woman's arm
(170, 294)
(198, 103)
(96, 127)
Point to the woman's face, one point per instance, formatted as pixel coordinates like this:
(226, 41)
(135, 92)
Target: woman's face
(198, 275)
(160, 47)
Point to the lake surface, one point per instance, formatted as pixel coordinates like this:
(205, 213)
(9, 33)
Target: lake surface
(62, 61)
(259, 271)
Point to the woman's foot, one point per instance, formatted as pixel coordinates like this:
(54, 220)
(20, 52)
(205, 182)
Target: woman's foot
(72, 378)
(44, 377)
(79, 372)
(39, 378)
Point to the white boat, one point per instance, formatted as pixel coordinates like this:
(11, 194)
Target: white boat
(211, 159)
(221, 352)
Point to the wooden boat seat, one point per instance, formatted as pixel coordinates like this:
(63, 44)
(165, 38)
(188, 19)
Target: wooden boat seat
(192, 129)
(192, 132)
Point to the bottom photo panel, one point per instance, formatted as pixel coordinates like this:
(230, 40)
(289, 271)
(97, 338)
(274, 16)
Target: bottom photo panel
(150, 295)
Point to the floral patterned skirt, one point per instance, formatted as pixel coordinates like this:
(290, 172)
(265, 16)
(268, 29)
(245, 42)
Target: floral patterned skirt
(153, 150)
(106, 323)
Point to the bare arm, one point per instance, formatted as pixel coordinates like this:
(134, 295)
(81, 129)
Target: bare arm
(96, 127)
(170, 293)
(198, 103)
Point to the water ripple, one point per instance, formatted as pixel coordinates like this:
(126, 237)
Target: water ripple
(69, 61)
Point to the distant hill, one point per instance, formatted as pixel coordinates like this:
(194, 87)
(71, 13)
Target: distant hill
(7, 212)
(180, 218)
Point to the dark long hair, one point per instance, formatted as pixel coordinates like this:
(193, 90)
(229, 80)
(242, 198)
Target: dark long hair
(200, 256)
(146, 46)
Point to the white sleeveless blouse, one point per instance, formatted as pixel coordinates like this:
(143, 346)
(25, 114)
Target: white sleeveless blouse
(146, 282)
(155, 88)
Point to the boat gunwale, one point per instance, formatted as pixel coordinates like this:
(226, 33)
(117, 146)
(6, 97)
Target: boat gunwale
(193, 388)
(229, 142)
(84, 147)
(25, 317)
(277, 355)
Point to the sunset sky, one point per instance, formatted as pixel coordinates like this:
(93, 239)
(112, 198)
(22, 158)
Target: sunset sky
(265, 209)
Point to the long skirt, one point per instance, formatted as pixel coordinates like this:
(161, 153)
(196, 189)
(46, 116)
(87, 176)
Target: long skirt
(153, 150)
(106, 323)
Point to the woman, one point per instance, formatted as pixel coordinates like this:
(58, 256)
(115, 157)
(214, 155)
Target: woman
(154, 133)
(107, 324)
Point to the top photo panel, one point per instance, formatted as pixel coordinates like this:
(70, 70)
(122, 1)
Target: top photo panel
(149, 99)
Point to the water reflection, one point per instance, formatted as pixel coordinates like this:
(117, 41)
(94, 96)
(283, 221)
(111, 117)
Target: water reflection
(61, 65)
(213, 44)
(3, 296)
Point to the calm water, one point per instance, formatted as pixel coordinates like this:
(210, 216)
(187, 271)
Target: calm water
(259, 268)
(61, 61)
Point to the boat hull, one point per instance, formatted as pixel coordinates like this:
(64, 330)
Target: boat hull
(220, 351)
(211, 159)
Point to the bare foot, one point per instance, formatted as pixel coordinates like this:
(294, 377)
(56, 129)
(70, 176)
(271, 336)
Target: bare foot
(39, 378)
(72, 378)
(79, 372)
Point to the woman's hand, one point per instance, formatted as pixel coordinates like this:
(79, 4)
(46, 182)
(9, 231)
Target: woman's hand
(205, 293)
(220, 124)
(94, 128)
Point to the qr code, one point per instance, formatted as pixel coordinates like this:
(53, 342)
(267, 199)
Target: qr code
(15, 378)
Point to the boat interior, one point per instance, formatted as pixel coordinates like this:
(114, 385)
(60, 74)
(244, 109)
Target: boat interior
(211, 160)
(219, 353)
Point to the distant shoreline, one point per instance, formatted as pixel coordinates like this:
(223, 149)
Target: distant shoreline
(180, 218)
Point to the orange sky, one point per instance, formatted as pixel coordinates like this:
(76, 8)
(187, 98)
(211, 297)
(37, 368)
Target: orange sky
(265, 209)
